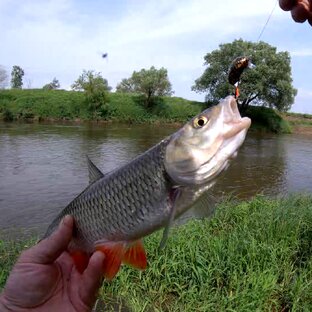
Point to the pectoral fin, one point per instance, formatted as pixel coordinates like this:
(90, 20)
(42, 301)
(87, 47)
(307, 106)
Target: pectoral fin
(175, 193)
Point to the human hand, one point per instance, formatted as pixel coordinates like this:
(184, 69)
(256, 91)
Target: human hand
(45, 278)
(301, 10)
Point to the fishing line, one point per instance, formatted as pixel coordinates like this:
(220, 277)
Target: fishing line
(266, 23)
(241, 63)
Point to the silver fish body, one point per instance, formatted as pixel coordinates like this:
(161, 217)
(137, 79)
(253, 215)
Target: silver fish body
(149, 192)
(126, 204)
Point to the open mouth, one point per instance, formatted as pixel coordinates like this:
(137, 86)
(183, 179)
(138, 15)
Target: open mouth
(234, 119)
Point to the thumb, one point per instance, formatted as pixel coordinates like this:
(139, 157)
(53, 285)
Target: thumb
(50, 248)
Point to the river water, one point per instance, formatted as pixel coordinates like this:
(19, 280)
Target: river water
(43, 166)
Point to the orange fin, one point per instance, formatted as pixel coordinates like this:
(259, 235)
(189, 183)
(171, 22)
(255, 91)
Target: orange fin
(113, 255)
(236, 92)
(135, 256)
(121, 252)
(81, 260)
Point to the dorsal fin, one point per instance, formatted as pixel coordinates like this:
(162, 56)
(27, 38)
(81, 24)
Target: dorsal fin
(94, 172)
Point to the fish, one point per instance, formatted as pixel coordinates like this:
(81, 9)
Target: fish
(119, 208)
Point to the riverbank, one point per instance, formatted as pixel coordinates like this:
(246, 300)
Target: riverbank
(252, 255)
(300, 123)
(60, 105)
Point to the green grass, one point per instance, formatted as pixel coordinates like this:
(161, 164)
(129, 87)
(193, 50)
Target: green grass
(43, 104)
(298, 115)
(59, 104)
(267, 119)
(251, 256)
(38, 104)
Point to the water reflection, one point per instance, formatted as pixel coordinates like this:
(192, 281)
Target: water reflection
(43, 167)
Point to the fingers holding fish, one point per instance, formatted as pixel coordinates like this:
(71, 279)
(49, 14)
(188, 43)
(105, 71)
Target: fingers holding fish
(50, 248)
(92, 278)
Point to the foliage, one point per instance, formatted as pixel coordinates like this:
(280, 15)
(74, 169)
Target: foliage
(39, 104)
(264, 118)
(149, 82)
(90, 82)
(17, 77)
(60, 104)
(95, 88)
(268, 84)
(53, 85)
(251, 256)
(3, 77)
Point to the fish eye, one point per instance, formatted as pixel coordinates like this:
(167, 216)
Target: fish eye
(199, 122)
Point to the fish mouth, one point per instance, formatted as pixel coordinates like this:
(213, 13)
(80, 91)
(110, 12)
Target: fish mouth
(233, 119)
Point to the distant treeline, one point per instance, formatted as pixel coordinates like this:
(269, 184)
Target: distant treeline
(40, 105)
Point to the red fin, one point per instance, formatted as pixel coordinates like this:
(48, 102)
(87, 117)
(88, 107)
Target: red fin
(136, 256)
(81, 260)
(236, 92)
(113, 255)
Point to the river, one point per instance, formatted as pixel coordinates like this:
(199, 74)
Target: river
(43, 166)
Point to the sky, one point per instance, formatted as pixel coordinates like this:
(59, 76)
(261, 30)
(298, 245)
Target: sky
(61, 38)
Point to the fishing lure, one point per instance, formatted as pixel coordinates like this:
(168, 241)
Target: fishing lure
(236, 70)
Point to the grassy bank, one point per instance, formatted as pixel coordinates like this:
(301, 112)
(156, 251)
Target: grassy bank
(300, 123)
(69, 105)
(252, 256)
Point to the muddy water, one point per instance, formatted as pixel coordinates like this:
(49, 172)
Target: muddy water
(43, 167)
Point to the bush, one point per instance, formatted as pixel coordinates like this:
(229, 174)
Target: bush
(268, 119)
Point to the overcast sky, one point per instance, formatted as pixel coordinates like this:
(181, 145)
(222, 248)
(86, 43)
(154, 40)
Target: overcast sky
(60, 38)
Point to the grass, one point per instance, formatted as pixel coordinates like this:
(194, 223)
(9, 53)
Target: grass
(41, 104)
(296, 119)
(251, 256)
(298, 115)
(38, 104)
(264, 118)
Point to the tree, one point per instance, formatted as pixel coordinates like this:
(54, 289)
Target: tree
(95, 88)
(151, 82)
(269, 83)
(53, 85)
(3, 77)
(90, 82)
(17, 77)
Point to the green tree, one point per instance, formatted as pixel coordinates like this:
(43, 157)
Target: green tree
(3, 77)
(95, 88)
(17, 77)
(269, 83)
(53, 85)
(149, 82)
